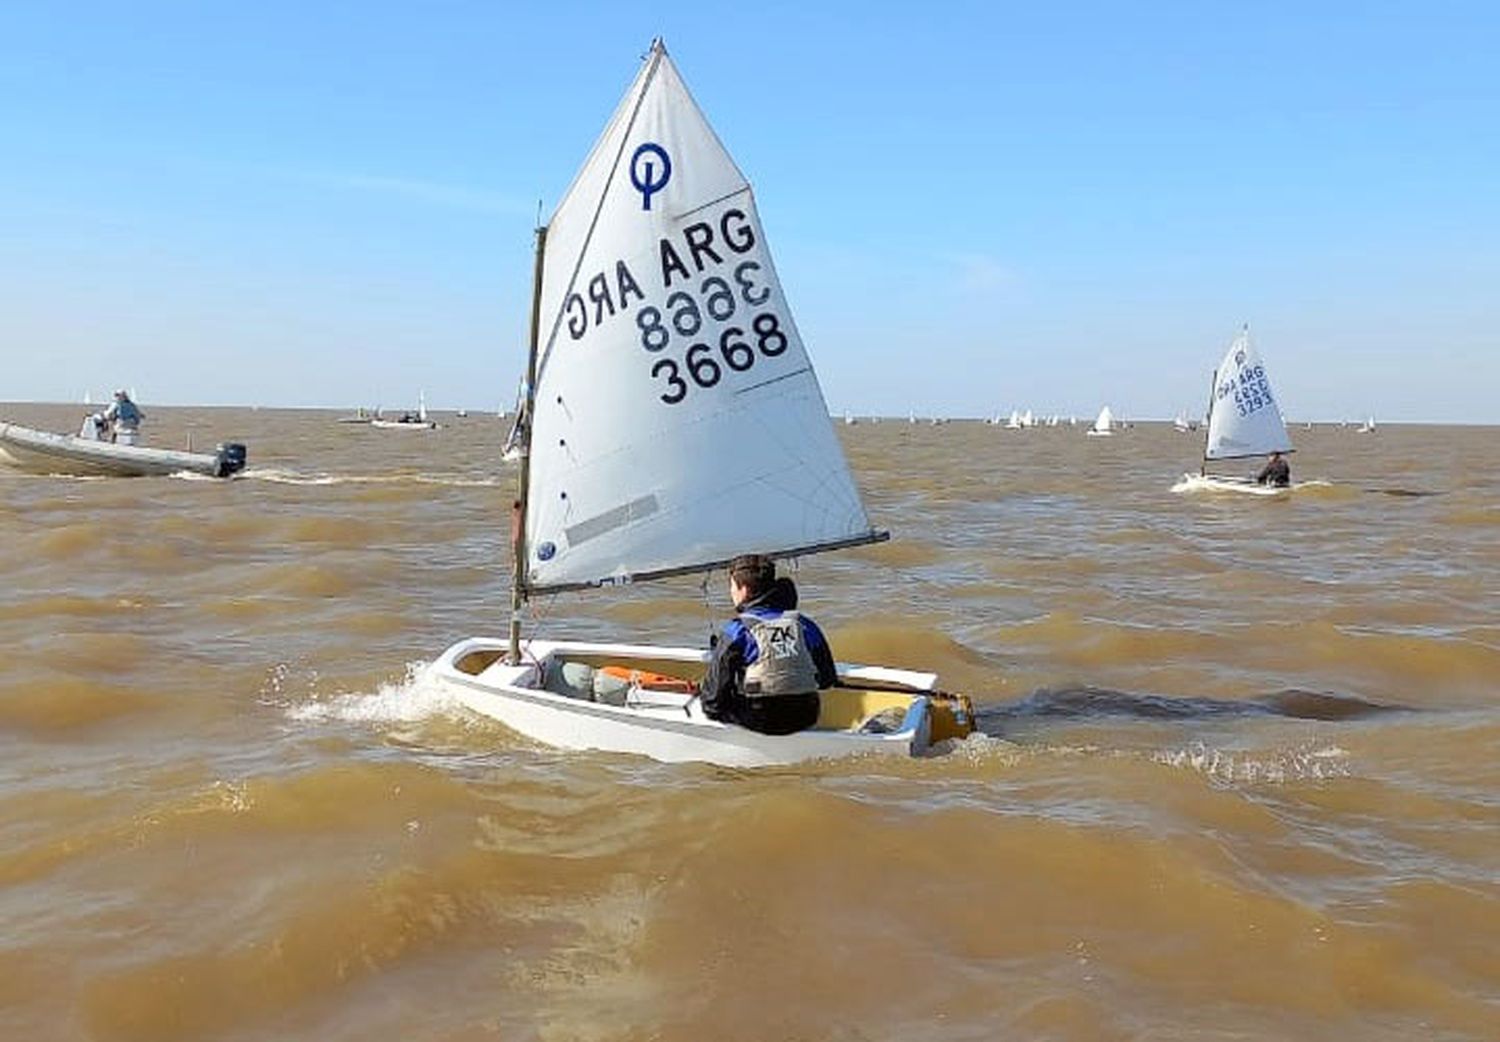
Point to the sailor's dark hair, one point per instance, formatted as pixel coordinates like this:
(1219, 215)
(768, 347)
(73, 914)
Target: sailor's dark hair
(755, 572)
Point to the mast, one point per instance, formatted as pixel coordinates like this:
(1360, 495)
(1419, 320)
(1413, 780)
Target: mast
(1208, 421)
(528, 397)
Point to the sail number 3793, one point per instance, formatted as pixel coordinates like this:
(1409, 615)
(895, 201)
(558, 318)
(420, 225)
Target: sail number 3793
(705, 359)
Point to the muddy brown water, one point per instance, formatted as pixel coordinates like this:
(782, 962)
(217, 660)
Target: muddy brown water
(1238, 777)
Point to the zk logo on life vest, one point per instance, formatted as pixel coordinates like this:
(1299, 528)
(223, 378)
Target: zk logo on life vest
(644, 174)
(781, 643)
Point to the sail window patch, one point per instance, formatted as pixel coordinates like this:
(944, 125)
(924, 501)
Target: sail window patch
(608, 521)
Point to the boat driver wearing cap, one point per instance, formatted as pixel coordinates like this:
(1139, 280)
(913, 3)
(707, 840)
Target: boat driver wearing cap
(126, 418)
(770, 661)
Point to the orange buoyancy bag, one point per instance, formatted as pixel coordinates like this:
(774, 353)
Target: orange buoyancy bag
(649, 681)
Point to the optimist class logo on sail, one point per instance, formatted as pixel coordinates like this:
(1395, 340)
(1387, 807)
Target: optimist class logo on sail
(643, 171)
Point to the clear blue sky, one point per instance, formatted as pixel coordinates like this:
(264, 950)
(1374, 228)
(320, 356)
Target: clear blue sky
(974, 207)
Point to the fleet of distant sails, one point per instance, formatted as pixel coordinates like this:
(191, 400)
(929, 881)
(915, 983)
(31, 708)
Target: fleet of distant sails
(1107, 423)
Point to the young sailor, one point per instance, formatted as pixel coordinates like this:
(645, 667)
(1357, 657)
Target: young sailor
(770, 661)
(1277, 472)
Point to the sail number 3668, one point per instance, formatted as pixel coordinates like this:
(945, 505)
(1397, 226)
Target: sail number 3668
(703, 357)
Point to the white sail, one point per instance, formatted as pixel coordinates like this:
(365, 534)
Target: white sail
(1105, 423)
(422, 406)
(677, 421)
(1244, 419)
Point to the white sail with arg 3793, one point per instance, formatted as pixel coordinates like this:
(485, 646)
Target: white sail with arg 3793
(671, 421)
(1244, 420)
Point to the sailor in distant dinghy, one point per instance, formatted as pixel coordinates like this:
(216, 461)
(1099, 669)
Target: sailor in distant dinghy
(1277, 472)
(770, 662)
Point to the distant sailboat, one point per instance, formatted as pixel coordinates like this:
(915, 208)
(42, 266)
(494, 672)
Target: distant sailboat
(1368, 427)
(1014, 423)
(1104, 426)
(1244, 421)
(407, 421)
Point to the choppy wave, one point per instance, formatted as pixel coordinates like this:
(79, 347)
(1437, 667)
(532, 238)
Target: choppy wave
(1088, 702)
(55, 706)
(293, 477)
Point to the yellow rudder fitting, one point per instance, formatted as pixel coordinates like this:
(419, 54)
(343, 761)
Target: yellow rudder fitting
(952, 716)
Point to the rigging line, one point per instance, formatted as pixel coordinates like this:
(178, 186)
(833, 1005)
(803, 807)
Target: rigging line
(708, 608)
(774, 379)
(714, 202)
(539, 618)
(656, 59)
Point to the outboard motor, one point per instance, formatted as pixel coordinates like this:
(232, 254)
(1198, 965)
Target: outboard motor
(230, 456)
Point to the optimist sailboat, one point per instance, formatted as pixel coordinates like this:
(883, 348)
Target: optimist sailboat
(1244, 421)
(662, 345)
(1104, 426)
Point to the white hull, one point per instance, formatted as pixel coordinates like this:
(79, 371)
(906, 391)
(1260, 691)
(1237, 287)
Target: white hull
(1242, 486)
(671, 727)
(41, 452)
(1092, 433)
(404, 425)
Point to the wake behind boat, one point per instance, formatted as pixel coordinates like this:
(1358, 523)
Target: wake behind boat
(661, 344)
(1225, 483)
(42, 452)
(1244, 422)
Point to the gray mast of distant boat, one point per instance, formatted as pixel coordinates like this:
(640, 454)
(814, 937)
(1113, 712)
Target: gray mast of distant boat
(1208, 417)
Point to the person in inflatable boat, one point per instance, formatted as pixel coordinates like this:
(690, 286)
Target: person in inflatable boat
(124, 417)
(770, 661)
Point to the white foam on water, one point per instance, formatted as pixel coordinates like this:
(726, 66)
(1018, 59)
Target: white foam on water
(1199, 483)
(287, 477)
(1270, 767)
(411, 699)
(292, 477)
